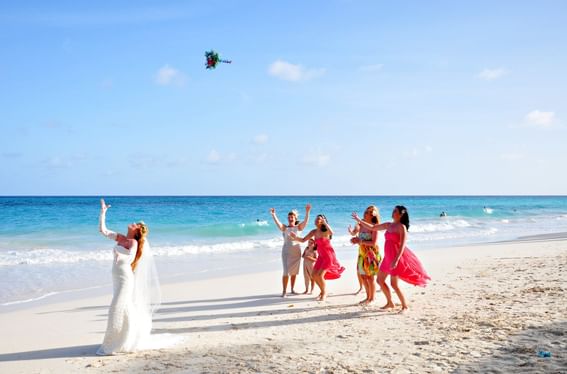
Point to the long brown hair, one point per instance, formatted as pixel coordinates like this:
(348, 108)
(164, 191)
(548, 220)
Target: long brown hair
(140, 237)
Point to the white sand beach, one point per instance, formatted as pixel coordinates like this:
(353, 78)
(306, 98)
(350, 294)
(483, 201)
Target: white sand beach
(489, 308)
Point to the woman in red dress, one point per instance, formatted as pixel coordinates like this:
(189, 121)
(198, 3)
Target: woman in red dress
(326, 266)
(399, 261)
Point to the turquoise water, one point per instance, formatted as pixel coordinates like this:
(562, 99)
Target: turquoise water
(51, 244)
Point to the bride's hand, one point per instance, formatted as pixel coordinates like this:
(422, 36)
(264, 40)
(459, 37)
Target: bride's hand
(103, 206)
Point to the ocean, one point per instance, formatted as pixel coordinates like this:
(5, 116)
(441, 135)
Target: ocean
(51, 245)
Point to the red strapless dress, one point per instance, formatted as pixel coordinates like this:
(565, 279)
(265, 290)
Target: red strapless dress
(327, 260)
(409, 267)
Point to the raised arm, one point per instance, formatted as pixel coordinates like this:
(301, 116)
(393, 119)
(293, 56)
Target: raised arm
(102, 222)
(369, 226)
(276, 220)
(329, 228)
(302, 225)
(355, 231)
(304, 239)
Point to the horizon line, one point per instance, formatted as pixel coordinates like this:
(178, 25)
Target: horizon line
(299, 195)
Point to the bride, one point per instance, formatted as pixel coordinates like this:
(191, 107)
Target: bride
(136, 294)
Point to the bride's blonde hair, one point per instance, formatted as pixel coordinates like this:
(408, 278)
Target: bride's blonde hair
(140, 237)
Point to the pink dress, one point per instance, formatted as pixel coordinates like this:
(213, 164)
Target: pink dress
(327, 260)
(409, 267)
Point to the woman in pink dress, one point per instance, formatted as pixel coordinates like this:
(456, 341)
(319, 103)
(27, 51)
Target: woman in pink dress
(326, 266)
(399, 261)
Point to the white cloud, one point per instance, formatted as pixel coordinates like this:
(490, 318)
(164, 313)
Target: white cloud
(492, 74)
(260, 139)
(213, 157)
(168, 75)
(317, 158)
(371, 68)
(540, 119)
(511, 156)
(428, 149)
(293, 72)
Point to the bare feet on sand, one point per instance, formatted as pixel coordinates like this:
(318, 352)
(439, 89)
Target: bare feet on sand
(388, 306)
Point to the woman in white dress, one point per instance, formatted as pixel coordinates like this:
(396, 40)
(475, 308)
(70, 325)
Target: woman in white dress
(136, 289)
(291, 250)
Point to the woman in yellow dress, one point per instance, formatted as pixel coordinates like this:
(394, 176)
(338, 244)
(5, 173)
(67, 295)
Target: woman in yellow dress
(368, 253)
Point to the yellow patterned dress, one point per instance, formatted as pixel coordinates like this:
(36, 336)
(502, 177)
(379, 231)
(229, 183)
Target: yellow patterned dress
(368, 256)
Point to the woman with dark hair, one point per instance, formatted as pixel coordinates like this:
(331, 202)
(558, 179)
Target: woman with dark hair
(399, 261)
(291, 250)
(326, 266)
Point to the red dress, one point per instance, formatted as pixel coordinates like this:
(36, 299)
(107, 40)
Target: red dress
(327, 260)
(409, 267)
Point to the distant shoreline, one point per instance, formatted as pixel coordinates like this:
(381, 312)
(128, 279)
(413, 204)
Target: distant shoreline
(277, 196)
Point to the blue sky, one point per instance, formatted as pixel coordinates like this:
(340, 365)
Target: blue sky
(322, 97)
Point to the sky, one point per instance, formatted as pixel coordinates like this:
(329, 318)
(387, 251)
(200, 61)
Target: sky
(322, 97)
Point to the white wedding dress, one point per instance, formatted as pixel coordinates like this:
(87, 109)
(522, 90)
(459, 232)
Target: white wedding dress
(136, 296)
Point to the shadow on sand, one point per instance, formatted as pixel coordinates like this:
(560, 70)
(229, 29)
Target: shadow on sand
(179, 311)
(64, 352)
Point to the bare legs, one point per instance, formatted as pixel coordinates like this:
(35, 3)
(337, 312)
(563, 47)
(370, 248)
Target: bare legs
(285, 280)
(370, 288)
(385, 290)
(396, 287)
(293, 284)
(360, 282)
(310, 279)
(319, 277)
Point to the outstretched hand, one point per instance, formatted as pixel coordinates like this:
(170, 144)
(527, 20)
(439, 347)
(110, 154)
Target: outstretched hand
(103, 206)
(355, 216)
(272, 211)
(308, 207)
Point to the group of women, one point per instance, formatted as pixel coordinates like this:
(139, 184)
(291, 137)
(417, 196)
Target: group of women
(136, 288)
(320, 261)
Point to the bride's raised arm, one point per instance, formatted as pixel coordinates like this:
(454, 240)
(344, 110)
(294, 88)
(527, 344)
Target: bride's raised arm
(102, 222)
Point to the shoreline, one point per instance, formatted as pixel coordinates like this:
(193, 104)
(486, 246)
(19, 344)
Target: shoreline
(105, 289)
(487, 308)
